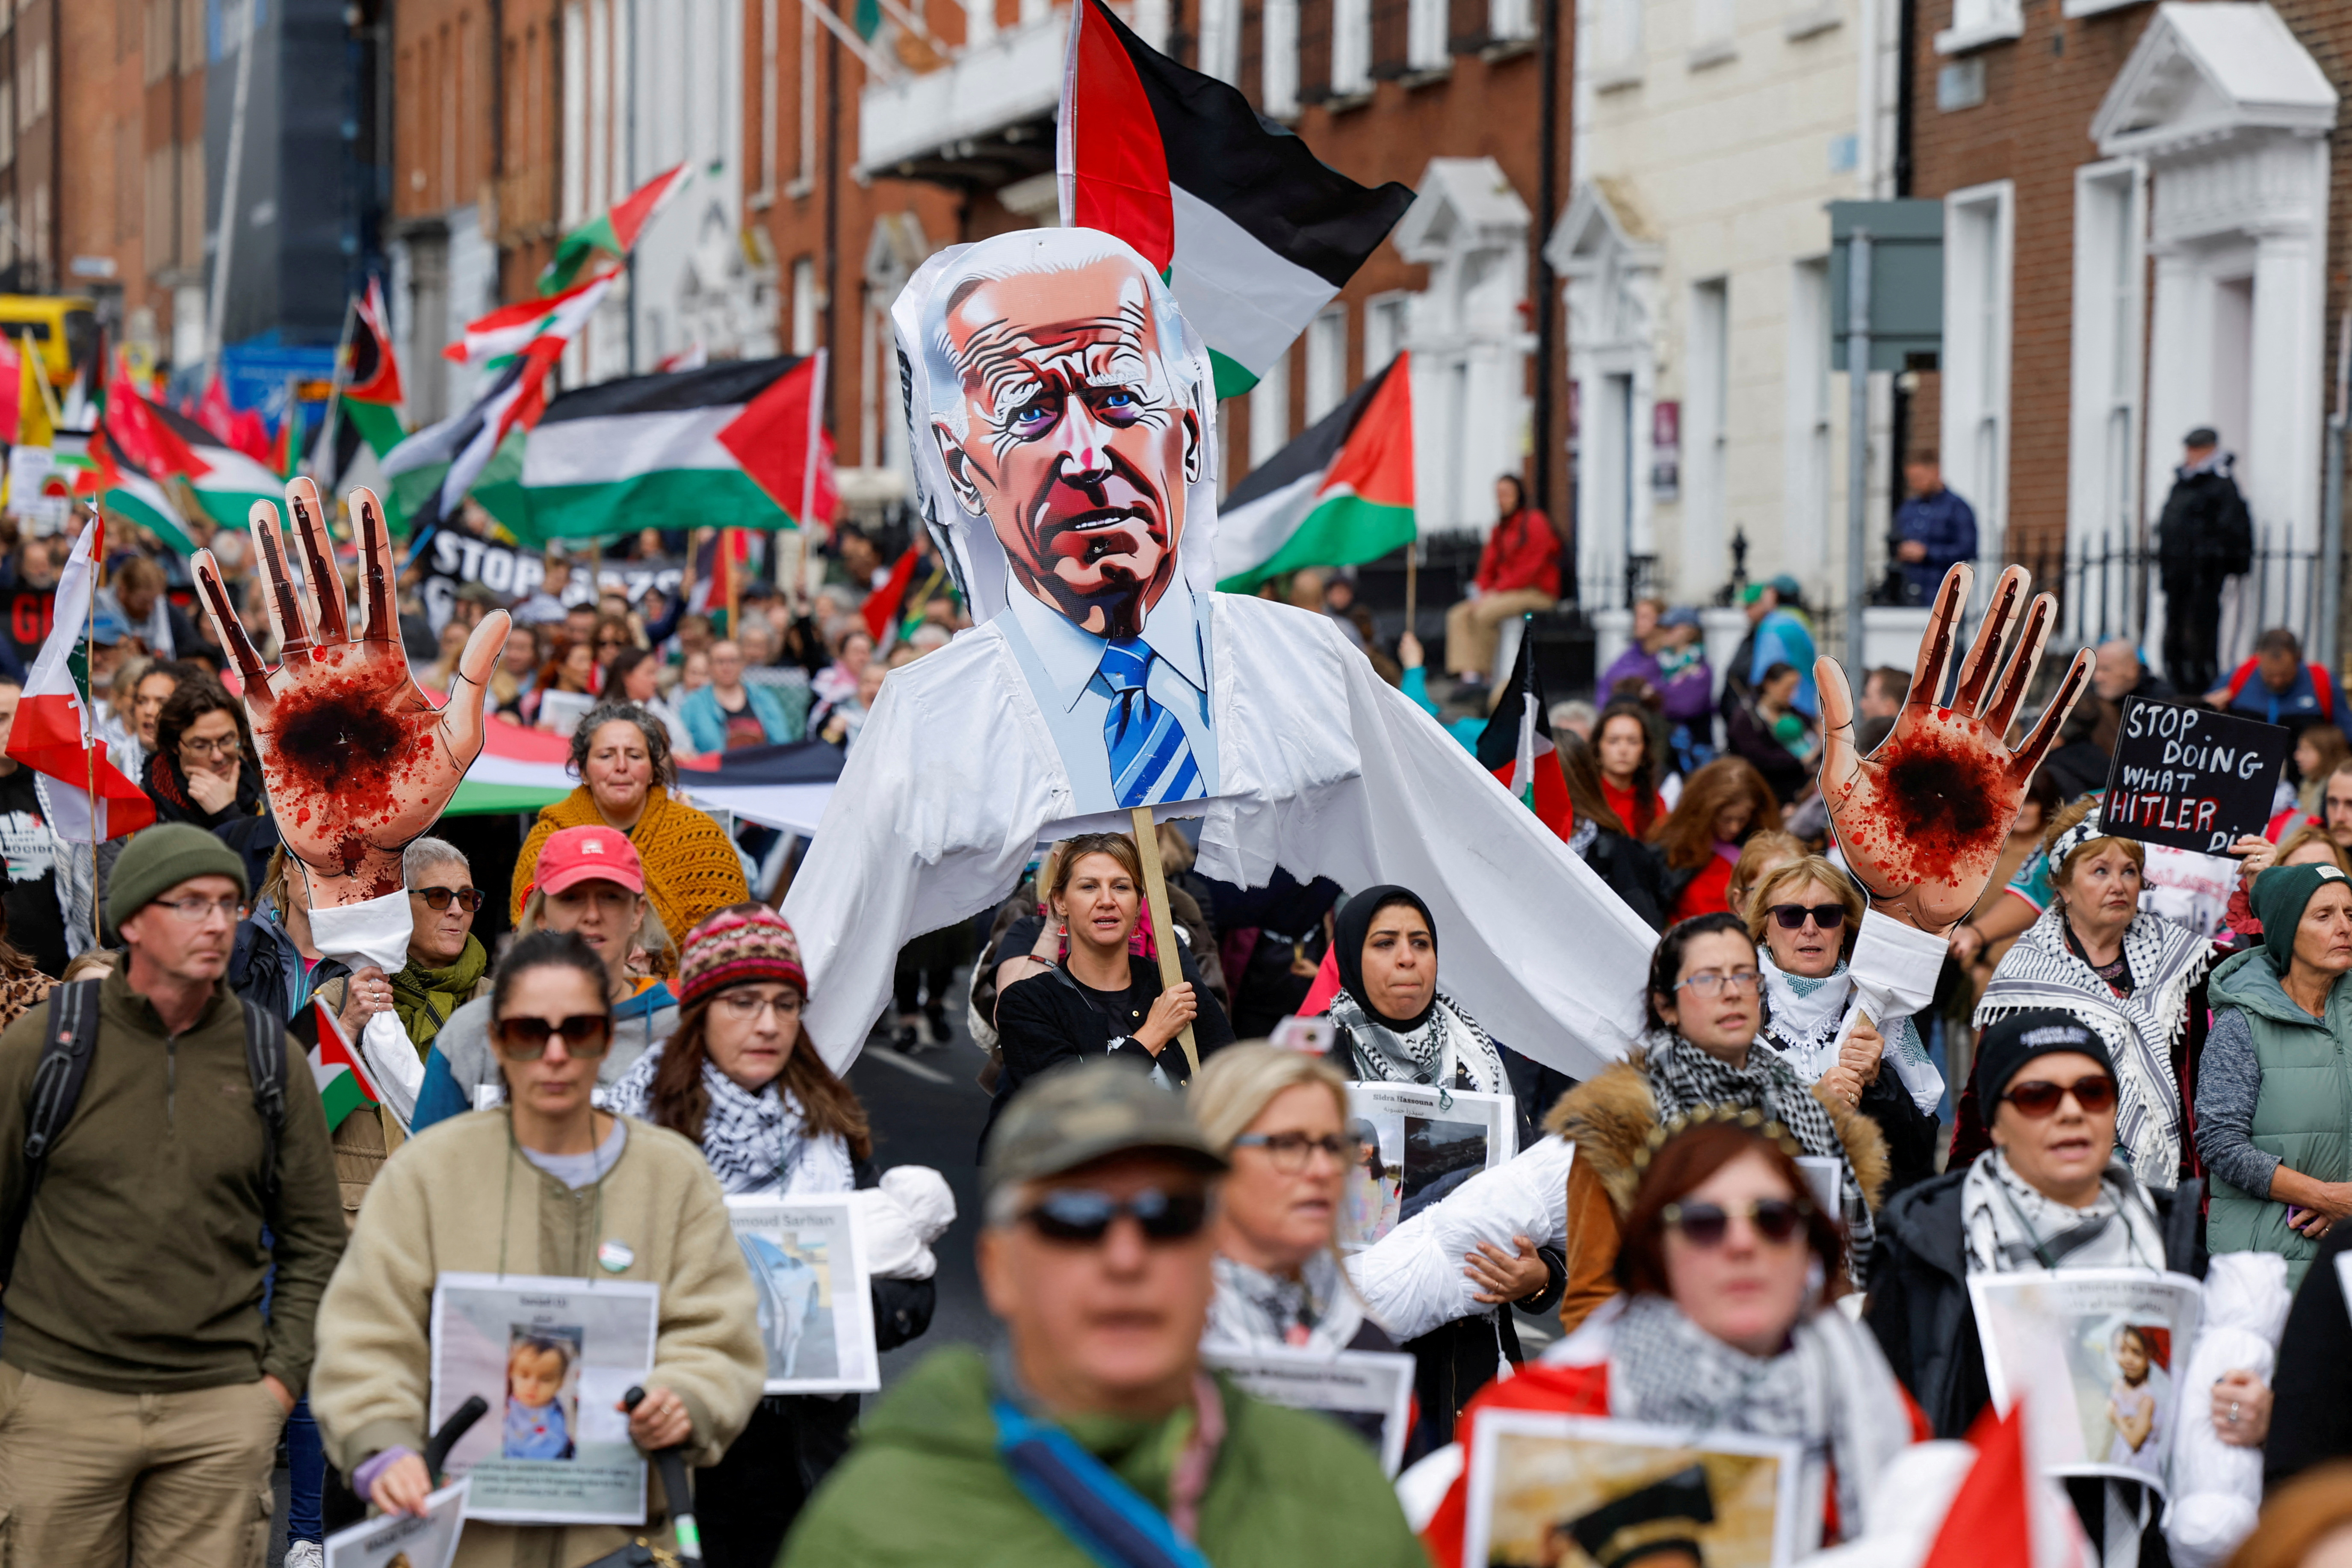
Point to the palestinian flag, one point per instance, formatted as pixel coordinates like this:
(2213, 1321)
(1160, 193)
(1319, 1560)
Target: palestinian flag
(226, 482)
(733, 445)
(1516, 747)
(1252, 233)
(124, 493)
(342, 1078)
(616, 232)
(1340, 495)
(90, 798)
(372, 397)
(491, 342)
(880, 610)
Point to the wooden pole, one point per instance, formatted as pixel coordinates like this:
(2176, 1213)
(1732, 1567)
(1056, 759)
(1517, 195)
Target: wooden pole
(1163, 928)
(90, 754)
(1411, 586)
(734, 583)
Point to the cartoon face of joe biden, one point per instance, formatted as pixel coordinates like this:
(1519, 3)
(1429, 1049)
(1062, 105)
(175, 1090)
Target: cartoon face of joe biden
(1069, 432)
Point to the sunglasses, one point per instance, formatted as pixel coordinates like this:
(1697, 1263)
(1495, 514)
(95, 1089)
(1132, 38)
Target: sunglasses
(1080, 1217)
(437, 898)
(1777, 1220)
(2038, 1097)
(585, 1035)
(1829, 917)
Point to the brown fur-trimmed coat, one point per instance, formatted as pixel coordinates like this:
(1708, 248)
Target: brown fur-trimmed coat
(1608, 1118)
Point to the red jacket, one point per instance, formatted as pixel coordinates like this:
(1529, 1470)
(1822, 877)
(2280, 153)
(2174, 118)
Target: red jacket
(1522, 552)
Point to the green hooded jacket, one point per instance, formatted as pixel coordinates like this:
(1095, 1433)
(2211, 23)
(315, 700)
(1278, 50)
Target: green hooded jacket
(924, 1487)
(2303, 1115)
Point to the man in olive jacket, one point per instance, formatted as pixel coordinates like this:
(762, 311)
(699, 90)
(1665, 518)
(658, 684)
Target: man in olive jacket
(1096, 1255)
(141, 1387)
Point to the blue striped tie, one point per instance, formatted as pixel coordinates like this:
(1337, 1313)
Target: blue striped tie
(1151, 761)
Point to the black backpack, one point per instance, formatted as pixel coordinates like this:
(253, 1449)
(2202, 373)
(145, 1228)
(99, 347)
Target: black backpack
(65, 1062)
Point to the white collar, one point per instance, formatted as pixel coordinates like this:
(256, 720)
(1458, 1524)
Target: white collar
(1071, 655)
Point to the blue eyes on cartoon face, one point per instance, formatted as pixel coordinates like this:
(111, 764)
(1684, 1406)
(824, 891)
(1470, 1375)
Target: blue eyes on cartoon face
(1034, 416)
(1120, 405)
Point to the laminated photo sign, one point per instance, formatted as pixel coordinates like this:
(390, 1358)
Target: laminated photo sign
(2097, 1350)
(1548, 1489)
(404, 1541)
(2189, 777)
(553, 1358)
(1413, 1146)
(816, 1306)
(1367, 1392)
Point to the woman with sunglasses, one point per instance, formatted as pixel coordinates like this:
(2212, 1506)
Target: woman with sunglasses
(592, 885)
(1804, 917)
(1703, 1004)
(739, 1079)
(1729, 1323)
(447, 965)
(2051, 1193)
(2273, 1086)
(2135, 978)
(547, 1185)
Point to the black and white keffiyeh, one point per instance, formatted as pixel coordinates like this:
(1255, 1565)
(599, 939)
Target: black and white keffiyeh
(1682, 1077)
(1830, 1390)
(2008, 1226)
(1803, 1017)
(755, 1144)
(2166, 961)
(1447, 1048)
(1253, 1310)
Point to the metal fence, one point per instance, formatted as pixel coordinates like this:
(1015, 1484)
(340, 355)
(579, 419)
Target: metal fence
(2107, 590)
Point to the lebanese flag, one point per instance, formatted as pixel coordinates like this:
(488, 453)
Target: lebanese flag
(342, 1078)
(1252, 233)
(90, 799)
(1340, 495)
(616, 231)
(1516, 747)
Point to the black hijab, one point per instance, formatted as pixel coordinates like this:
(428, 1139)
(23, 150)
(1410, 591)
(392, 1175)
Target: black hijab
(1350, 929)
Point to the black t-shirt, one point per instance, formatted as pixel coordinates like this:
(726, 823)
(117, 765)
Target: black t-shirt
(28, 612)
(36, 928)
(1123, 1011)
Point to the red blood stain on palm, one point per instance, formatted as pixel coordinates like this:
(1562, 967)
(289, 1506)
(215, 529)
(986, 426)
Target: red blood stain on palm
(340, 756)
(1940, 809)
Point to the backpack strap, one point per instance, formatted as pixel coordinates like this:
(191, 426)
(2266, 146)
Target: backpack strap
(66, 1054)
(265, 1063)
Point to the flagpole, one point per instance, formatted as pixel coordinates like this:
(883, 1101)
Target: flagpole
(734, 583)
(89, 753)
(1163, 928)
(335, 398)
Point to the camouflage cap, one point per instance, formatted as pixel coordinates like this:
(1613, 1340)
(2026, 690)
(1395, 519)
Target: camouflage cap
(1087, 1112)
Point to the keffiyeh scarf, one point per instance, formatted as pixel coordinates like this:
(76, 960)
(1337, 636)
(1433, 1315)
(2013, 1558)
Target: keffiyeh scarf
(1256, 1310)
(1682, 1077)
(1447, 1049)
(2166, 961)
(1802, 1019)
(1830, 1390)
(754, 1143)
(2010, 1226)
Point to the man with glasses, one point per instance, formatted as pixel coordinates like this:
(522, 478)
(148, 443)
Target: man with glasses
(1092, 1434)
(142, 1386)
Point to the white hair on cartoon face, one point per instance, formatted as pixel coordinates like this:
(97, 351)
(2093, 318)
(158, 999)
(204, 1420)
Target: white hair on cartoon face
(932, 387)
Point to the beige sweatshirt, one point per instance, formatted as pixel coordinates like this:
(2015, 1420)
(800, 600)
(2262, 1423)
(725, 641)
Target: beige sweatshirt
(461, 1198)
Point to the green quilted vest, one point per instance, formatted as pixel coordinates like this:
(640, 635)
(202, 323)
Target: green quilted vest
(2303, 1115)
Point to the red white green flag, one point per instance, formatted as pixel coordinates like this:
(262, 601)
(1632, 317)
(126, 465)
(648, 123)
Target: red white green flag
(615, 232)
(1340, 495)
(342, 1079)
(1516, 747)
(89, 798)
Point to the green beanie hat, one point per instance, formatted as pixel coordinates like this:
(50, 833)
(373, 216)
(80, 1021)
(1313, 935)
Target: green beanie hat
(2280, 895)
(160, 858)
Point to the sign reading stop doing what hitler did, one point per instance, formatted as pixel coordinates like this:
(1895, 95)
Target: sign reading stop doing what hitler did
(2189, 777)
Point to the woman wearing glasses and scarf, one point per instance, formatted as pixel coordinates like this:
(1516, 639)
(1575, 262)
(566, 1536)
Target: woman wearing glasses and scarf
(740, 1080)
(1729, 1323)
(1703, 1002)
(545, 1184)
(1803, 917)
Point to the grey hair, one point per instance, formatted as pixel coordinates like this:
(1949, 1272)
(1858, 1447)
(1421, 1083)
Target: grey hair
(656, 739)
(423, 854)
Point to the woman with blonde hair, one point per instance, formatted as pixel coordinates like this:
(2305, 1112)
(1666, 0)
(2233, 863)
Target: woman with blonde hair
(1721, 805)
(1764, 852)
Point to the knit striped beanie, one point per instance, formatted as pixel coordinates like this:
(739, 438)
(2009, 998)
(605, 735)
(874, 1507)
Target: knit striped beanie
(735, 947)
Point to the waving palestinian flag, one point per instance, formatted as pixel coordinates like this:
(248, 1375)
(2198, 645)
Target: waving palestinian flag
(615, 232)
(342, 1079)
(1340, 495)
(1254, 233)
(1516, 747)
(89, 799)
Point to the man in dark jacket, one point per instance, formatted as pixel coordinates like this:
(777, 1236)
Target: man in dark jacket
(142, 1386)
(1934, 529)
(2203, 537)
(2119, 673)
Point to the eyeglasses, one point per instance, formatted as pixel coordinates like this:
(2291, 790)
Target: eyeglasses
(1829, 917)
(193, 911)
(1080, 1217)
(585, 1035)
(746, 1006)
(1777, 1220)
(1712, 984)
(2038, 1097)
(222, 746)
(437, 898)
(1289, 1151)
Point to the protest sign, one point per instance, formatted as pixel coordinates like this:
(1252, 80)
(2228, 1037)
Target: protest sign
(457, 559)
(1413, 1146)
(2098, 1349)
(1367, 1392)
(2189, 777)
(553, 1357)
(1548, 1488)
(816, 1310)
(404, 1541)
(44, 505)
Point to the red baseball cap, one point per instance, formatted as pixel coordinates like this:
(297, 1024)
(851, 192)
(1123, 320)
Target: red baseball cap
(580, 855)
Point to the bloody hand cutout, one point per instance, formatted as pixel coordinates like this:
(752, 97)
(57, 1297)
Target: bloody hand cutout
(1922, 818)
(357, 762)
